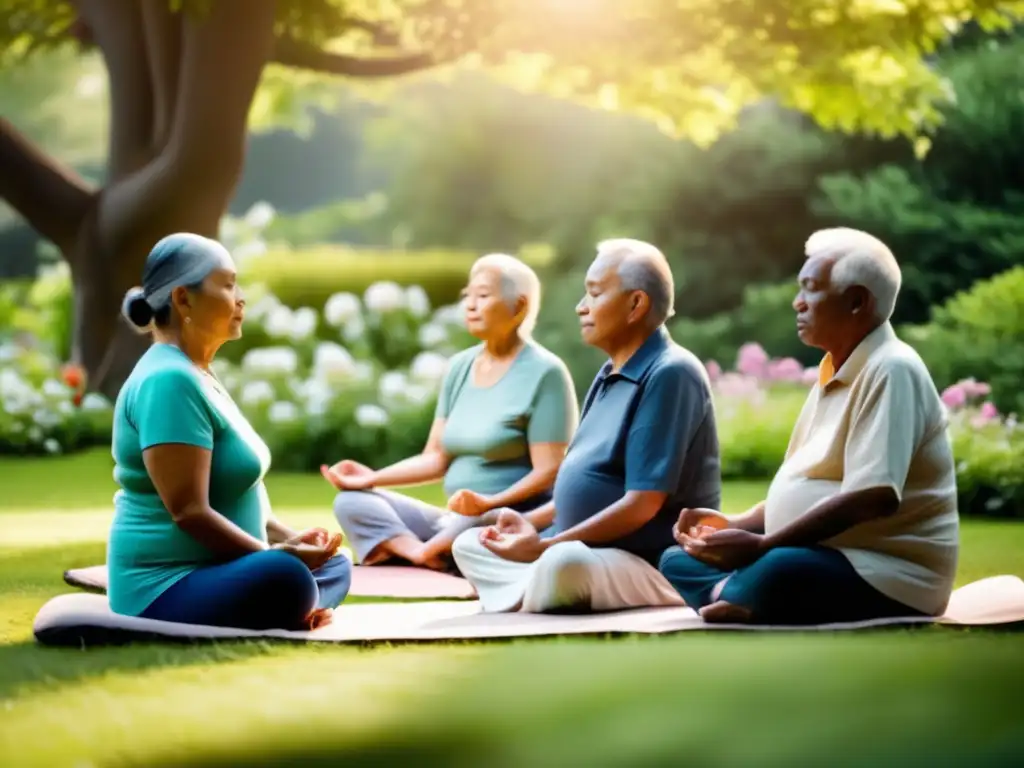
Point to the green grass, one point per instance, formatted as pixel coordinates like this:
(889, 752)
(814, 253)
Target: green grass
(925, 696)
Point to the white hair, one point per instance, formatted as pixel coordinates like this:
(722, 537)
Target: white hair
(643, 267)
(860, 259)
(518, 281)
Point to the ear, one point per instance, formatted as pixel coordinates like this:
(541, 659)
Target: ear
(520, 311)
(180, 297)
(639, 305)
(858, 299)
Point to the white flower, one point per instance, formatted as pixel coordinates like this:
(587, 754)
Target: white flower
(260, 215)
(304, 321)
(64, 408)
(278, 322)
(283, 411)
(35, 434)
(392, 385)
(341, 308)
(384, 296)
(8, 352)
(249, 249)
(272, 360)
(46, 419)
(369, 415)
(429, 367)
(51, 445)
(418, 393)
(332, 361)
(94, 401)
(53, 388)
(451, 314)
(262, 307)
(354, 329)
(417, 300)
(316, 396)
(256, 392)
(362, 371)
(432, 335)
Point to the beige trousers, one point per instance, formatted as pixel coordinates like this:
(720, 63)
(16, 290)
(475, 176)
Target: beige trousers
(569, 575)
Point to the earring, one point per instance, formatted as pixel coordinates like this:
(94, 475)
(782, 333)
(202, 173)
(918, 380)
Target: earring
(188, 319)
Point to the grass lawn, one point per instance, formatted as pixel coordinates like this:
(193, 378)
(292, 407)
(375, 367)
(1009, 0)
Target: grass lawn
(906, 697)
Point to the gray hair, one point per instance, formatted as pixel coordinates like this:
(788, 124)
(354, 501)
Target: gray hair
(860, 259)
(181, 259)
(518, 281)
(643, 267)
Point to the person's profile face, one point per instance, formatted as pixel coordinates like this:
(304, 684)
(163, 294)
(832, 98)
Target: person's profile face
(604, 309)
(218, 308)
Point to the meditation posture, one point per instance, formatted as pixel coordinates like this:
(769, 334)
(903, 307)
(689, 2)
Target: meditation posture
(646, 447)
(861, 520)
(193, 538)
(506, 410)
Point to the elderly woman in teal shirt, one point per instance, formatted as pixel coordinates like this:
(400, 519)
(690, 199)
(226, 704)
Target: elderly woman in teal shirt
(193, 538)
(506, 412)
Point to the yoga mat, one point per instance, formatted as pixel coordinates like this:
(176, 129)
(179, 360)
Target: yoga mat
(398, 581)
(82, 619)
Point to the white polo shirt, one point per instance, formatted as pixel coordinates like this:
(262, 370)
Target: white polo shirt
(879, 421)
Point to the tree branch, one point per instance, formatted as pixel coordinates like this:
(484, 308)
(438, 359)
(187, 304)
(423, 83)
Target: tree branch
(116, 26)
(52, 198)
(293, 53)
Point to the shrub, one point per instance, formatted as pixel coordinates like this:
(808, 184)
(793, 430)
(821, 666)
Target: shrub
(310, 277)
(757, 406)
(979, 333)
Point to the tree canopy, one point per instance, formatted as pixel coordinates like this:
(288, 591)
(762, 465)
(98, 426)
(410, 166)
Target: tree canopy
(690, 65)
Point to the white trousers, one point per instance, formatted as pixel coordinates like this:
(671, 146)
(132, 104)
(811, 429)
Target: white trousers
(567, 575)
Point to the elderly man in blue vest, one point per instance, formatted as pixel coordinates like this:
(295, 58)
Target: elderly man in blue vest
(646, 448)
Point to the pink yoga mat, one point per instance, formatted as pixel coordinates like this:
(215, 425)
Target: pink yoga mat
(395, 581)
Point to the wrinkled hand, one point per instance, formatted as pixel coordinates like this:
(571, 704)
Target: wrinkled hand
(728, 550)
(348, 475)
(698, 523)
(468, 503)
(318, 537)
(509, 523)
(513, 538)
(313, 555)
(320, 617)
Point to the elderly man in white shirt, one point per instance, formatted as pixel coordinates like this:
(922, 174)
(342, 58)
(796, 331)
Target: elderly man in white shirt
(861, 520)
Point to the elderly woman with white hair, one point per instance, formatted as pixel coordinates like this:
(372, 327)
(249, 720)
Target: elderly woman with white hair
(506, 412)
(861, 520)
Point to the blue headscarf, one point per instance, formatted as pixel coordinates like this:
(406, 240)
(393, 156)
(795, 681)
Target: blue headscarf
(177, 260)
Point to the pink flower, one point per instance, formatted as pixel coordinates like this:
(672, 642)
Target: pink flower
(714, 370)
(986, 414)
(752, 359)
(954, 396)
(786, 369)
(973, 388)
(809, 376)
(737, 386)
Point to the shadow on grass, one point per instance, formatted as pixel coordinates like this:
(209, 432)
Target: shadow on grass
(28, 664)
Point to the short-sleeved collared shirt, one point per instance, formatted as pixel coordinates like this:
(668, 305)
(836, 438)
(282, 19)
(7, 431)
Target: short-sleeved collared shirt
(879, 422)
(648, 427)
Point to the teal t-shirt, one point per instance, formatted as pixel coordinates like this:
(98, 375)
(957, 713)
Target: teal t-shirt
(168, 400)
(488, 430)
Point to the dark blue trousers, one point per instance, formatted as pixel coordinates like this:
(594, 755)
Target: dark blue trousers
(264, 590)
(788, 586)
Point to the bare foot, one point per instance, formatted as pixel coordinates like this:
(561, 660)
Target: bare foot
(722, 612)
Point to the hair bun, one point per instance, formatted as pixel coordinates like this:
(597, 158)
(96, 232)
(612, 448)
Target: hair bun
(136, 309)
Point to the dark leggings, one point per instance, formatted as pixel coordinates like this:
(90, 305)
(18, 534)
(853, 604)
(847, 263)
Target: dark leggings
(264, 590)
(788, 585)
